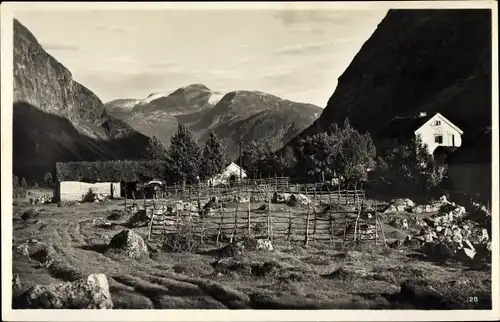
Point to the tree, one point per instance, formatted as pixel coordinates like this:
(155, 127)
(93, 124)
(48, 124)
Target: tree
(156, 150)
(356, 153)
(316, 155)
(214, 158)
(184, 156)
(267, 163)
(252, 153)
(35, 185)
(15, 182)
(24, 184)
(409, 167)
(48, 179)
(287, 161)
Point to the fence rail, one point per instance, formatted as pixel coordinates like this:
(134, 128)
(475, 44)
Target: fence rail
(336, 228)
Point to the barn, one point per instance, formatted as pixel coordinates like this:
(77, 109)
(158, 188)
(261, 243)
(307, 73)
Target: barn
(111, 179)
(231, 173)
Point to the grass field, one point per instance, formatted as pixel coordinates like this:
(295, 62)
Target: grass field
(291, 277)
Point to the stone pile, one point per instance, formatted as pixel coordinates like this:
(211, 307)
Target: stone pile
(450, 229)
(288, 198)
(40, 200)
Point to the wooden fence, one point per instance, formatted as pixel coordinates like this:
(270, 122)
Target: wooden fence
(335, 228)
(262, 191)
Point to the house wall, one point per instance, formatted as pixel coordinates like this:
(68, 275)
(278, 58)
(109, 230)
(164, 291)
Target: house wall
(74, 190)
(429, 130)
(223, 178)
(471, 178)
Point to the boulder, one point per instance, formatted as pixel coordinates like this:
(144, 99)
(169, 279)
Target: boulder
(264, 245)
(230, 264)
(91, 292)
(479, 235)
(407, 203)
(391, 209)
(29, 214)
(127, 242)
(139, 219)
(302, 199)
(401, 223)
(16, 284)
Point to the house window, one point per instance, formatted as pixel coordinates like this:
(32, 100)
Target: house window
(437, 122)
(438, 139)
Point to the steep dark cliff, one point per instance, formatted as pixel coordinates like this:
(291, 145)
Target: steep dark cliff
(418, 60)
(58, 119)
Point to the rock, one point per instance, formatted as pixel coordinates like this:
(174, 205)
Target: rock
(16, 284)
(397, 243)
(29, 214)
(91, 292)
(264, 245)
(437, 251)
(127, 242)
(302, 199)
(407, 203)
(139, 219)
(391, 209)
(228, 264)
(266, 269)
(401, 223)
(479, 236)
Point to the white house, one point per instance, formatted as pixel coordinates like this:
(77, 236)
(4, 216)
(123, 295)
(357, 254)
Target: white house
(230, 173)
(435, 131)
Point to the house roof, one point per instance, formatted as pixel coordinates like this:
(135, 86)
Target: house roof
(405, 126)
(401, 126)
(235, 165)
(110, 171)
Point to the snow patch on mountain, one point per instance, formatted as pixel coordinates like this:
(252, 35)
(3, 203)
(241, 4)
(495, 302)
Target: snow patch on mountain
(215, 97)
(153, 97)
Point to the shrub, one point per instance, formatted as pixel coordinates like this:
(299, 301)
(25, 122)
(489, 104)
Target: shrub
(183, 240)
(90, 196)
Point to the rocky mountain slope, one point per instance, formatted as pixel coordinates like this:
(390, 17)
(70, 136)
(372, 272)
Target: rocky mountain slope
(245, 115)
(58, 119)
(418, 60)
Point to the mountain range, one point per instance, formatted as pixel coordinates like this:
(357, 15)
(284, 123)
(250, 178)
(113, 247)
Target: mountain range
(234, 116)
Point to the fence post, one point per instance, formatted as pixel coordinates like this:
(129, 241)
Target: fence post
(289, 224)
(125, 196)
(307, 228)
(249, 224)
(314, 229)
(220, 225)
(331, 229)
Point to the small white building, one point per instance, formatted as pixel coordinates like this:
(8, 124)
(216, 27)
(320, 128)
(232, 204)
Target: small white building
(229, 174)
(435, 131)
(75, 190)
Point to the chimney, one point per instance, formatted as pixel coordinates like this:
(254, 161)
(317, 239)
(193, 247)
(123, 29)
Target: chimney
(422, 114)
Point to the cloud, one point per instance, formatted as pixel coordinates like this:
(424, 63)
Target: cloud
(164, 64)
(301, 48)
(60, 47)
(112, 28)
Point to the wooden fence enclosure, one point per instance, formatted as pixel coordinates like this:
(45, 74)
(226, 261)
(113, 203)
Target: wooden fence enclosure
(335, 228)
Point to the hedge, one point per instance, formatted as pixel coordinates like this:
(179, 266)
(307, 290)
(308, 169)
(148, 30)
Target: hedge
(111, 171)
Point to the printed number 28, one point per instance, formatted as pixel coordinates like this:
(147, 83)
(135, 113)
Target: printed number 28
(473, 299)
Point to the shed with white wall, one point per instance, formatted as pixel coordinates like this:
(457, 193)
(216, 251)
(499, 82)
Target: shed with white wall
(75, 190)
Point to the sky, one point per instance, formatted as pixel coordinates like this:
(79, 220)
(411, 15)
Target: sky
(293, 54)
